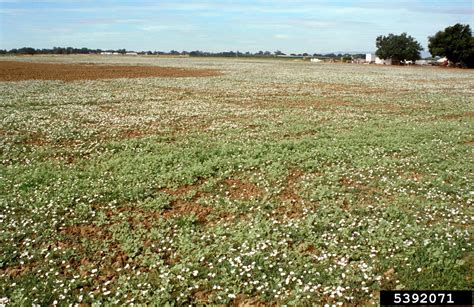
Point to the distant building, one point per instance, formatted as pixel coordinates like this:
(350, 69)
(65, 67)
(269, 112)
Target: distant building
(370, 58)
(383, 61)
(423, 62)
(106, 53)
(443, 61)
(315, 60)
(131, 53)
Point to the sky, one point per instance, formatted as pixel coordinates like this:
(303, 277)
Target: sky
(292, 26)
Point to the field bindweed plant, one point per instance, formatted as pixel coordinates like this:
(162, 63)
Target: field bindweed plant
(323, 185)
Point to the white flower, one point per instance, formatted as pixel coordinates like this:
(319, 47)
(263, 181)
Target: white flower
(418, 270)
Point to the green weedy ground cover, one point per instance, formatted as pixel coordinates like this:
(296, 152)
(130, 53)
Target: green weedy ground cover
(275, 182)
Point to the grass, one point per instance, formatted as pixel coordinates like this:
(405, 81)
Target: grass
(277, 182)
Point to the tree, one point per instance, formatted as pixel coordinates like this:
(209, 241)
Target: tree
(398, 47)
(26, 50)
(456, 43)
(346, 58)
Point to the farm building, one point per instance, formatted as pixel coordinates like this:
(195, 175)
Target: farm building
(443, 61)
(383, 61)
(423, 62)
(370, 57)
(315, 60)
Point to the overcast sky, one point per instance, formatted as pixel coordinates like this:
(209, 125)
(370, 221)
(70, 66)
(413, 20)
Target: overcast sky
(218, 25)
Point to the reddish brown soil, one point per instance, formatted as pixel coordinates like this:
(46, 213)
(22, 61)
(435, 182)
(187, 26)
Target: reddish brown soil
(292, 201)
(183, 208)
(18, 71)
(244, 301)
(89, 231)
(18, 270)
(182, 190)
(290, 193)
(238, 189)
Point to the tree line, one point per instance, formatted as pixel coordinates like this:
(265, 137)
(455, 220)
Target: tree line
(58, 50)
(197, 53)
(456, 43)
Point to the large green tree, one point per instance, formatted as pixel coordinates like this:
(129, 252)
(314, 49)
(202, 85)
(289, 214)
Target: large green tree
(456, 43)
(398, 47)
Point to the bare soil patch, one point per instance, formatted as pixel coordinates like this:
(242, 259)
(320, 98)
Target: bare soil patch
(18, 71)
(86, 231)
(245, 301)
(292, 202)
(290, 192)
(182, 190)
(18, 270)
(238, 189)
(183, 208)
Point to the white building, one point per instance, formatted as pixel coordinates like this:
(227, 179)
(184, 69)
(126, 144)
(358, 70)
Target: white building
(383, 61)
(315, 60)
(370, 57)
(442, 60)
(422, 62)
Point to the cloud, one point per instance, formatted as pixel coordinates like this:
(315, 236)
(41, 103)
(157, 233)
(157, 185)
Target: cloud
(108, 21)
(288, 25)
(333, 24)
(175, 28)
(156, 28)
(246, 7)
(281, 36)
(448, 11)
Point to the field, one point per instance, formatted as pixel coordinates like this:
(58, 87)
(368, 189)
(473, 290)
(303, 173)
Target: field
(233, 181)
